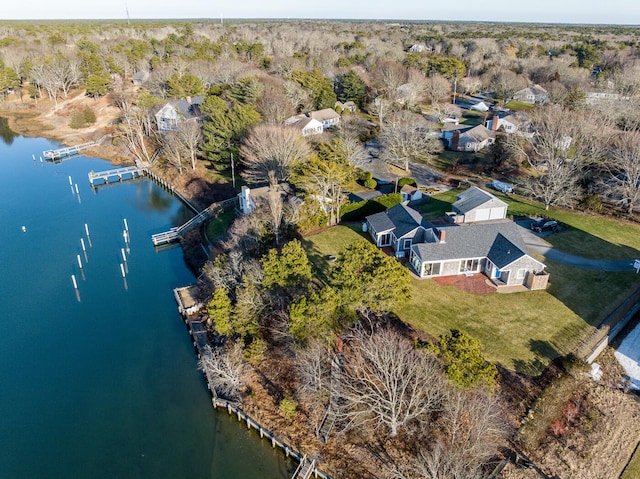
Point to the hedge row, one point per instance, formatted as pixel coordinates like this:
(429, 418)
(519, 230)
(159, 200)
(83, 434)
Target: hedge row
(361, 209)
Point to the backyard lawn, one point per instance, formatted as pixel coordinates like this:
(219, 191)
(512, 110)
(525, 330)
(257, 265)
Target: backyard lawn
(521, 331)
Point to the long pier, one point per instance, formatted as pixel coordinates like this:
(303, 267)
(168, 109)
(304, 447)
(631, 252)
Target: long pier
(67, 151)
(198, 333)
(121, 174)
(175, 233)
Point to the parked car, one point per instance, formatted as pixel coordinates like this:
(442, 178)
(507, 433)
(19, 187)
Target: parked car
(500, 186)
(544, 225)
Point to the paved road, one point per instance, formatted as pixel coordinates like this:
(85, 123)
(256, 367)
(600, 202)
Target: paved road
(536, 243)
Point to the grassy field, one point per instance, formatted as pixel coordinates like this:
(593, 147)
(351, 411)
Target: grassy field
(632, 471)
(521, 331)
(217, 227)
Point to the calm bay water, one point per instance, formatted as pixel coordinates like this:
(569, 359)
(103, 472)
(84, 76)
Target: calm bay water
(105, 386)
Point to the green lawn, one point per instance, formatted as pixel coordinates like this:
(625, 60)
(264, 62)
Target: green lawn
(521, 331)
(632, 471)
(515, 105)
(217, 227)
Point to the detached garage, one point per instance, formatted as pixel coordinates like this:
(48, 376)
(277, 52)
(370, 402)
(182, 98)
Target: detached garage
(476, 204)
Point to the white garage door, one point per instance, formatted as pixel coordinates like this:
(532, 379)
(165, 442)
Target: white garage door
(497, 213)
(483, 214)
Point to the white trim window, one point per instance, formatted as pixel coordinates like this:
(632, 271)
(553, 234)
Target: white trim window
(431, 269)
(469, 265)
(384, 239)
(521, 273)
(406, 244)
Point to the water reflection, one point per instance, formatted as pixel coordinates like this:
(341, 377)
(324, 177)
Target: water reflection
(7, 135)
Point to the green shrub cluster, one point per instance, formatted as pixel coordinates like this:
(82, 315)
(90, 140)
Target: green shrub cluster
(82, 118)
(406, 181)
(361, 209)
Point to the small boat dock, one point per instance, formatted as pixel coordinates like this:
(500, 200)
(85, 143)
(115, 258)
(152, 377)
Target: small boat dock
(118, 174)
(175, 233)
(60, 153)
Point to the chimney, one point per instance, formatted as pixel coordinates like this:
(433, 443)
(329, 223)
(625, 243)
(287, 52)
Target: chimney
(494, 123)
(455, 140)
(443, 235)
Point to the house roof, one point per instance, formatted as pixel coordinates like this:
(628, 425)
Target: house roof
(399, 218)
(474, 197)
(409, 189)
(503, 252)
(189, 107)
(477, 134)
(500, 241)
(324, 115)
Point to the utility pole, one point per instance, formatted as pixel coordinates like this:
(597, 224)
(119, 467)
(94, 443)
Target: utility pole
(233, 173)
(455, 88)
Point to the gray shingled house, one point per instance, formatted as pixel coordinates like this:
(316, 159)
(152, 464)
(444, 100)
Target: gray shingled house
(494, 248)
(169, 117)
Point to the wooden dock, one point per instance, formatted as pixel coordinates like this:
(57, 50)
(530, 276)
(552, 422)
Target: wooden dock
(59, 153)
(117, 174)
(175, 233)
(305, 469)
(200, 339)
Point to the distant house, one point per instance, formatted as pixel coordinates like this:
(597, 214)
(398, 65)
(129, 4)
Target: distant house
(326, 118)
(507, 123)
(410, 193)
(475, 205)
(307, 126)
(493, 248)
(347, 105)
(595, 97)
(169, 117)
(466, 138)
(532, 94)
(140, 77)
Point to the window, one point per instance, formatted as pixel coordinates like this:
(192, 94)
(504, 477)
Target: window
(469, 265)
(431, 269)
(521, 273)
(406, 244)
(385, 239)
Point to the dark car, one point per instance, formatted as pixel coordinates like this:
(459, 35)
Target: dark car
(544, 225)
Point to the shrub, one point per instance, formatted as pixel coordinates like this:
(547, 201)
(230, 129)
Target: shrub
(371, 184)
(254, 353)
(288, 408)
(406, 181)
(82, 118)
(361, 209)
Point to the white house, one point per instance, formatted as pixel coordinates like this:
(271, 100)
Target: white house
(410, 193)
(532, 94)
(306, 126)
(326, 117)
(507, 123)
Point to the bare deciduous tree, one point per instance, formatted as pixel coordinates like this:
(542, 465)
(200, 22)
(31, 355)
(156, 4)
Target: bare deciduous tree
(136, 123)
(225, 369)
(386, 383)
(562, 144)
(625, 166)
(269, 151)
(436, 88)
(405, 138)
